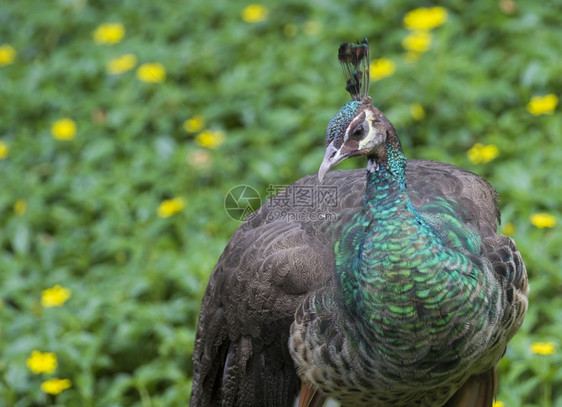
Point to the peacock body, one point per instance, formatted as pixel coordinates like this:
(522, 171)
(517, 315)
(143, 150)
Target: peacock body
(408, 298)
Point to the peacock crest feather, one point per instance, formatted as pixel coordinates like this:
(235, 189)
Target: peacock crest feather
(354, 59)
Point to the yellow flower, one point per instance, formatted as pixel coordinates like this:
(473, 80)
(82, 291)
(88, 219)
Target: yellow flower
(543, 220)
(55, 296)
(509, 229)
(543, 348)
(311, 28)
(382, 68)
(20, 207)
(290, 30)
(210, 139)
(254, 13)
(425, 18)
(417, 41)
(55, 386)
(121, 64)
(194, 124)
(542, 104)
(170, 207)
(417, 111)
(109, 33)
(4, 150)
(63, 129)
(480, 153)
(7, 54)
(153, 72)
(42, 362)
(498, 404)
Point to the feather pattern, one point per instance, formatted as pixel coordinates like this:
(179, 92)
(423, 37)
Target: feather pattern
(415, 312)
(271, 264)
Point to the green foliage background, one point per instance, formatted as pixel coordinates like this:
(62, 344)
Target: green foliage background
(126, 335)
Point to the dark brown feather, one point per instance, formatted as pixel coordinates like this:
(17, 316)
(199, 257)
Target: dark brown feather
(477, 391)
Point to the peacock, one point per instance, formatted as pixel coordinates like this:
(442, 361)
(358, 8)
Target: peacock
(396, 290)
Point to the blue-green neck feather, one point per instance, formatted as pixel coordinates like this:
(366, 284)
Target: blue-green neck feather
(396, 272)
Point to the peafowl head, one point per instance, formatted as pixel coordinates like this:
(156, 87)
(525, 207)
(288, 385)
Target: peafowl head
(358, 128)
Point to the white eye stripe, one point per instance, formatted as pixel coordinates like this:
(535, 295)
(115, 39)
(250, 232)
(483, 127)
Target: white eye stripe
(369, 135)
(372, 131)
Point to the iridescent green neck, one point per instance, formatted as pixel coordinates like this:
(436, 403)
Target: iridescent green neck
(386, 186)
(386, 254)
(402, 284)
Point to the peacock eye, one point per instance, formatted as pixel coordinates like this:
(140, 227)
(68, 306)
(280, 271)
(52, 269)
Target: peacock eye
(358, 132)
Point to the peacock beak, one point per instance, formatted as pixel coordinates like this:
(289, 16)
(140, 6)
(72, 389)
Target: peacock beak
(332, 158)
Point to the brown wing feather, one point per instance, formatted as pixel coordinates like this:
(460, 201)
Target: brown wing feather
(272, 261)
(477, 391)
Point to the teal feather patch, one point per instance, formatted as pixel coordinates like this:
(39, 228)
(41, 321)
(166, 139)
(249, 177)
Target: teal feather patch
(341, 119)
(406, 274)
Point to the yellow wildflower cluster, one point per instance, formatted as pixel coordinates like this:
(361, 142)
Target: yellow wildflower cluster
(170, 207)
(210, 138)
(40, 362)
(7, 54)
(417, 42)
(121, 64)
(63, 129)
(207, 138)
(254, 13)
(194, 124)
(417, 111)
(543, 220)
(543, 348)
(4, 150)
(20, 207)
(109, 33)
(420, 21)
(480, 153)
(151, 72)
(382, 68)
(46, 362)
(542, 104)
(425, 19)
(498, 404)
(55, 296)
(55, 386)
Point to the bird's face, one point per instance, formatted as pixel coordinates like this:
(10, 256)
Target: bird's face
(356, 129)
